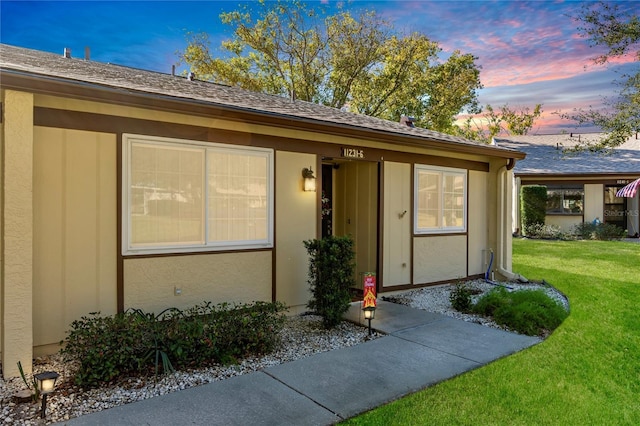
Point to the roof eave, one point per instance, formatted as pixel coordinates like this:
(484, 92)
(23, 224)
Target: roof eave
(56, 86)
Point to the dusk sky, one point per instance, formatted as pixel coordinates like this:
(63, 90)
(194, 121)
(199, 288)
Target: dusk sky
(530, 52)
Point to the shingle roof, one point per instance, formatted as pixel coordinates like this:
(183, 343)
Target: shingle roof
(546, 155)
(48, 65)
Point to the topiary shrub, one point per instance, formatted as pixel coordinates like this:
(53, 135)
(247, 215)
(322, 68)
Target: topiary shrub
(533, 202)
(331, 275)
(530, 312)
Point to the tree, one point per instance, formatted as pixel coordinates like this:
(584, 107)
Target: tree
(607, 24)
(293, 50)
(505, 120)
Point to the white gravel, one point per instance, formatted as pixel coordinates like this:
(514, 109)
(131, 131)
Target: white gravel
(302, 336)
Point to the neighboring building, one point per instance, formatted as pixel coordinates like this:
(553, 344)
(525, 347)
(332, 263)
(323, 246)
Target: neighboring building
(581, 185)
(126, 188)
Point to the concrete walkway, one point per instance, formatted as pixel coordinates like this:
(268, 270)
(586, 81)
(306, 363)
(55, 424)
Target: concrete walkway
(419, 350)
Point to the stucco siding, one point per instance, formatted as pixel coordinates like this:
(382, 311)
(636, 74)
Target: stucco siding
(150, 284)
(593, 201)
(296, 221)
(439, 258)
(17, 231)
(565, 223)
(75, 237)
(478, 230)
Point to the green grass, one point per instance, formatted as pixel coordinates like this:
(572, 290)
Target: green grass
(586, 373)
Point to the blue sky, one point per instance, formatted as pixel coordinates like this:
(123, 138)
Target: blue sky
(530, 52)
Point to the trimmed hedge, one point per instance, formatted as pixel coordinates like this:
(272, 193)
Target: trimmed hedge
(331, 275)
(105, 348)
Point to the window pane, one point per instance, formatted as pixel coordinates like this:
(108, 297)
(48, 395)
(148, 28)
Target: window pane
(166, 195)
(453, 211)
(554, 201)
(440, 199)
(238, 199)
(428, 199)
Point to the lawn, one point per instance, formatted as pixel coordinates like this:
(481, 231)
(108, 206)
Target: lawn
(586, 373)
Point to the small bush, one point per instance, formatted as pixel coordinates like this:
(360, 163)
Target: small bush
(460, 297)
(600, 231)
(331, 276)
(530, 312)
(550, 232)
(104, 348)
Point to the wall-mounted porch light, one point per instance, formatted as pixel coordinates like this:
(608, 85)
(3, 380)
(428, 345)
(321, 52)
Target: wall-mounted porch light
(309, 180)
(46, 383)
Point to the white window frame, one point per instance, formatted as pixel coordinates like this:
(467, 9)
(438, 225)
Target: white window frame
(442, 171)
(128, 249)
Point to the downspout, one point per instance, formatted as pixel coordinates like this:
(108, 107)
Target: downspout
(503, 213)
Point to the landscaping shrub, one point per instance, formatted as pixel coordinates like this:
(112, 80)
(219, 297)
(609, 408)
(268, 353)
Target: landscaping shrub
(331, 275)
(460, 297)
(530, 312)
(533, 200)
(599, 231)
(549, 232)
(104, 348)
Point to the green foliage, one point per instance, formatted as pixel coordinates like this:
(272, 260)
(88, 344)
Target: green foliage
(549, 232)
(33, 386)
(533, 201)
(495, 122)
(301, 51)
(460, 297)
(331, 275)
(530, 312)
(617, 28)
(600, 231)
(107, 347)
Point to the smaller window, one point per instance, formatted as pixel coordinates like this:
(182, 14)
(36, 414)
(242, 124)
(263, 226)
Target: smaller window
(565, 199)
(440, 199)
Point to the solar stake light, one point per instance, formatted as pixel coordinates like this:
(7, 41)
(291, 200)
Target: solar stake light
(369, 314)
(46, 383)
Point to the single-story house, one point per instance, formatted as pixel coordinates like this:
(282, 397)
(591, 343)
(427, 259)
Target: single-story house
(581, 185)
(126, 188)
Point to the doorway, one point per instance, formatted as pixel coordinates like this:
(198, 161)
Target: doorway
(350, 194)
(615, 208)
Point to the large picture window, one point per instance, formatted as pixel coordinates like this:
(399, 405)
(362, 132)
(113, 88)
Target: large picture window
(181, 196)
(440, 199)
(565, 199)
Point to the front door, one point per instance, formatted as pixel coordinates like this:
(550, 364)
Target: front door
(350, 207)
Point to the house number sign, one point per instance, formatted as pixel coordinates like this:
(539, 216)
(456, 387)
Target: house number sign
(352, 153)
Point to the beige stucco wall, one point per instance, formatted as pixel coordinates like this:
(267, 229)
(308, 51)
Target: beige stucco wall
(17, 231)
(439, 258)
(296, 221)
(478, 231)
(75, 229)
(397, 224)
(593, 201)
(150, 283)
(565, 223)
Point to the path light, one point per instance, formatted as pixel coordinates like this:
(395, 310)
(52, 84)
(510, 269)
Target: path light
(46, 383)
(309, 180)
(369, 314)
